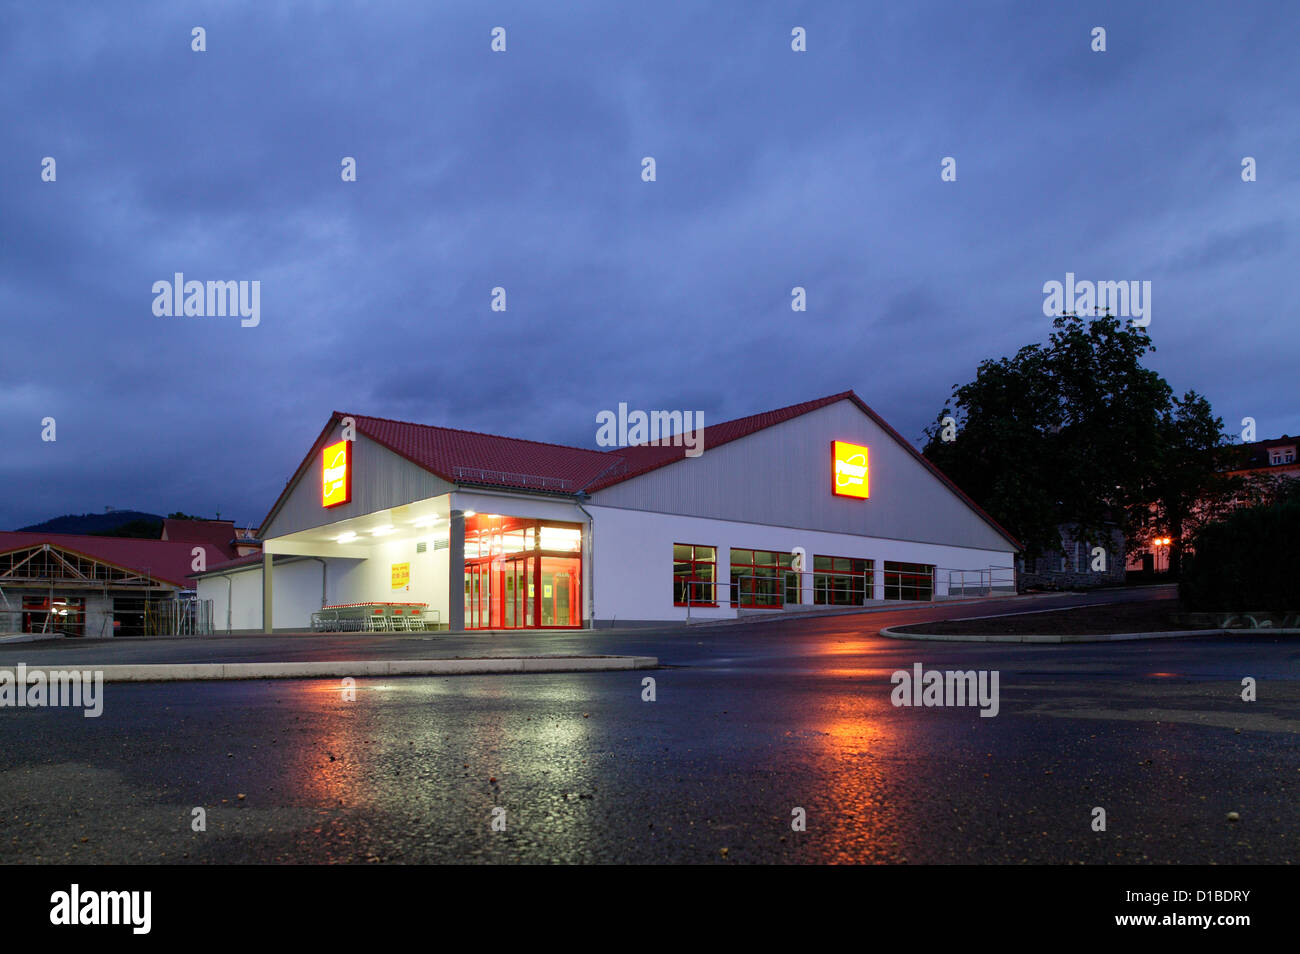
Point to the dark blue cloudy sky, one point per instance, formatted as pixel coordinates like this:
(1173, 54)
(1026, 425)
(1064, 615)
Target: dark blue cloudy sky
(523, 170)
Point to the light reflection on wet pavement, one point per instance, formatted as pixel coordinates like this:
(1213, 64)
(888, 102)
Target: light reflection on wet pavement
(759, 722)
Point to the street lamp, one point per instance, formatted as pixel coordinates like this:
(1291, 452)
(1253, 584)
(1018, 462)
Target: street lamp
(1162, 542)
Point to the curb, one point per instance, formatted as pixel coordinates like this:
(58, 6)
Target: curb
(173, 672)
(892, 633)
(6, 638)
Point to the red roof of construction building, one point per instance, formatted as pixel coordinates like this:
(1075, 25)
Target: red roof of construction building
(165, 560)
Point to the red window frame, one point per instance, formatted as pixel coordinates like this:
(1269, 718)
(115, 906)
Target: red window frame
(901, 581)
(825, 589)
(776, 581)
(486, 592)
(693, 574)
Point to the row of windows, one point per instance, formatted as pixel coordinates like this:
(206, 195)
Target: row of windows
(767, 578)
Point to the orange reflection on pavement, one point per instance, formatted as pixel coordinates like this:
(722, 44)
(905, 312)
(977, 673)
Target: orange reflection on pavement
(859, 745)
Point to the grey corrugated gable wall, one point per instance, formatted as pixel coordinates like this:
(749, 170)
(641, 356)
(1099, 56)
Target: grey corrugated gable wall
(380, 479)
(782, 475)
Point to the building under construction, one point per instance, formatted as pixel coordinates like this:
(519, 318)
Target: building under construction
(98, 586)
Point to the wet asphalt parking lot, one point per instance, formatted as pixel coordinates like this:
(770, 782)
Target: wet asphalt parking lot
(752, 725)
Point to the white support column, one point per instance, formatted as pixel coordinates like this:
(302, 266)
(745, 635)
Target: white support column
(267, 622)
(456, 572)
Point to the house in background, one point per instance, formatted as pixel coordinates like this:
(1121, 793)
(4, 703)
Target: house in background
(1264, 466)
(1071, 567)
(1268, 462)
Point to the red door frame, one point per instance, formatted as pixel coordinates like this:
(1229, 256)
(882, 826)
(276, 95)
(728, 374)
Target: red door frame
(493, 600)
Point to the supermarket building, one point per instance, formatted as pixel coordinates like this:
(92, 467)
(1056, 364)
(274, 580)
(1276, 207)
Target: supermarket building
(815, 505)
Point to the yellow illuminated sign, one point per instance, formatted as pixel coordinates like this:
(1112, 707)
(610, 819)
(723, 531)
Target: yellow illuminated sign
(401, 575)
(336, 474)
(849, 470)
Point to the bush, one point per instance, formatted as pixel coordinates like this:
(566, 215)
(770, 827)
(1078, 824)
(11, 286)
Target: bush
(1248, 561)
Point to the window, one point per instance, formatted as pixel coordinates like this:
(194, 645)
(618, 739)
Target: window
(522, 573)
(128, 616)
(1281, 455)
(908, 581)
(695, 575)
(763, 579)
(65, 615)
(842, 581)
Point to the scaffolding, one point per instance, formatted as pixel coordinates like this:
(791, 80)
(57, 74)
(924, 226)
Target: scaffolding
(11, 617)
(49, 586)
(185, 616)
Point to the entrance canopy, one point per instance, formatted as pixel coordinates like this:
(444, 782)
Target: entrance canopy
(422, 521)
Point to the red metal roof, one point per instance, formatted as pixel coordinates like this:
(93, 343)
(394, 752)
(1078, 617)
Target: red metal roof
(473, 458)
(217, 534)
(643, 458)
(468, 457)
(165, 560)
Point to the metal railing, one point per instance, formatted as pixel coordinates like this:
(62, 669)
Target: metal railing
(827, 588)
(505, 478)
(178, 617)
(774, 590)
(11, 616)
(69, 620)
(985, 582)
(909, 585)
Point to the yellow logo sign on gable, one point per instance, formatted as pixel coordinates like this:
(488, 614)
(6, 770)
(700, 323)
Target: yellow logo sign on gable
(849, 470)
(336, 474)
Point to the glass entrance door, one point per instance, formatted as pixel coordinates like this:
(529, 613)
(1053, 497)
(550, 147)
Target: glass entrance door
(528, 591)
(560, 578)
(518, 593)
(522, 574)
(511, 594)
(481, 610)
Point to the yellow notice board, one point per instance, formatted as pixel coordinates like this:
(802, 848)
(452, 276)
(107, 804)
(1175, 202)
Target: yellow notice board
(401, 576)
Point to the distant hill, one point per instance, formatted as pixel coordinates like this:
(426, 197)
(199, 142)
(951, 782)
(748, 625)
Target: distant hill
(115, 523)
